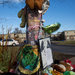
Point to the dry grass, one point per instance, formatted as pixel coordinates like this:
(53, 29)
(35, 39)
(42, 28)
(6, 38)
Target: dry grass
(10, 53)
(7, 57)
(61, 56)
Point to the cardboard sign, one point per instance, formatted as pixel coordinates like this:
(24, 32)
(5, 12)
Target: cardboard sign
(46, 52)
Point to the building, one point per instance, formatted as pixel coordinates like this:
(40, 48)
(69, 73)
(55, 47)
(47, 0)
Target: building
(56, 37)
(68, 35)
(20, 37)
(65, 35)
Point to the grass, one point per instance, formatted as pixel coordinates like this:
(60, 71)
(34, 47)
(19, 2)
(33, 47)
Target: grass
(64, 42)
(7, 57)
(61, 56)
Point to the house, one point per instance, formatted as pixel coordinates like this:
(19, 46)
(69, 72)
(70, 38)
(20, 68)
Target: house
(65, 35)
(56, 37)
(68, 35)
(20, 37)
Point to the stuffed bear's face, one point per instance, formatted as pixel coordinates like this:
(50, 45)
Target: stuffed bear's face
(35, 4)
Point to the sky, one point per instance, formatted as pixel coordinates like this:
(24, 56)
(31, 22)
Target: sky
(62, 11)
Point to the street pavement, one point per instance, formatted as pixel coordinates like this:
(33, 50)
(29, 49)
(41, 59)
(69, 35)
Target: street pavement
(64, 49)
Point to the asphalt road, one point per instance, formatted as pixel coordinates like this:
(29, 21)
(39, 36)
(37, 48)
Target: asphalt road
(64, 49)
(60, 48)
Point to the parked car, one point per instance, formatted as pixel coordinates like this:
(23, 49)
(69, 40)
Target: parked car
(9, 42)
(25, 41)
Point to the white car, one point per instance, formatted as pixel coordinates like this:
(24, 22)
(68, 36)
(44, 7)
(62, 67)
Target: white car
(9, 42)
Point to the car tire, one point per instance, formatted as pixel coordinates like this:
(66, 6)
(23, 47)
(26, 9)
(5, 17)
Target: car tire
(13, 44)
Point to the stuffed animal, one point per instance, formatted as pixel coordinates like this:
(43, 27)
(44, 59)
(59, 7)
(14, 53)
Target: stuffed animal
(35, 4)
(62, 66)
(56, 73)
(68, 66)
(22, 15)
(59, 67)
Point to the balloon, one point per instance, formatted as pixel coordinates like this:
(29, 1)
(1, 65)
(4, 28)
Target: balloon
(51, 28)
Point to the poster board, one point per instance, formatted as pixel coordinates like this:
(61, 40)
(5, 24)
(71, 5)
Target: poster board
(46, 52)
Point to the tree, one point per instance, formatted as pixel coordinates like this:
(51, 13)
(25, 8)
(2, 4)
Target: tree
(17, 31)
(8, 30)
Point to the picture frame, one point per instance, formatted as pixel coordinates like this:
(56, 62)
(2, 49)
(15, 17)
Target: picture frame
(45, 52)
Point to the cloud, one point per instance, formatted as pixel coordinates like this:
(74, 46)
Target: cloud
(12, 1)
(17, 1)
(3, 19)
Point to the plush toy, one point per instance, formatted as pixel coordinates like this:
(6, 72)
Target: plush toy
(62, 66)
(59, 67)
(70, 63)
(56, 73)
(68, 66)
(35, 4)
(22, 15)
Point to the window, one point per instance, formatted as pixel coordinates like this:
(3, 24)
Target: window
(9, 40)
(4, 40)
(67, 37)
(67, 32)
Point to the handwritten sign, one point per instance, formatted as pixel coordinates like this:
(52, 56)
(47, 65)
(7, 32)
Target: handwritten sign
(46, 52)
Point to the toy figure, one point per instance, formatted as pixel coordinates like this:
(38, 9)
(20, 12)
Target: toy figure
(22, 14)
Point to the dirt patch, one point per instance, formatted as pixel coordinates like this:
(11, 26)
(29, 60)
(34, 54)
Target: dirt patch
(62, 56)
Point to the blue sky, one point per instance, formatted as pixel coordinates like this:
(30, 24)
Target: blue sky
(62, 11)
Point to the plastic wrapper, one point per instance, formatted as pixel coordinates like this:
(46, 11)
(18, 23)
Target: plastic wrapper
(29, 59)
(45, 6)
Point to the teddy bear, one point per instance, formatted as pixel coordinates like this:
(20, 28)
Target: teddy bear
(62, 66)
(35, 4)
(22, 15)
